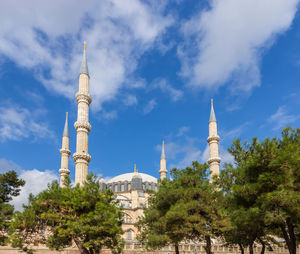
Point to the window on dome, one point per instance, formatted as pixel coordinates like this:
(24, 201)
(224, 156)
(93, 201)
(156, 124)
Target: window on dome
(115, 188)
(129, 186)
(122, 187)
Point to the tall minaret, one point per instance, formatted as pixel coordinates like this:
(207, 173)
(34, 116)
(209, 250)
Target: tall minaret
(82, 125)
(163, 167)
(213, 142)
(65, 153)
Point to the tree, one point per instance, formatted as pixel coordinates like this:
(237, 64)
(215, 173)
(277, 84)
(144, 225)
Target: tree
(247, 219)
(58, 216)
(163, 223)
(188, 207)
(9, 187)
(264, 184)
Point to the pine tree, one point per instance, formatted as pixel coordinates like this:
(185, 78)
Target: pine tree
(9, 187)
(188, 207)
(58, 216)
(263, 190)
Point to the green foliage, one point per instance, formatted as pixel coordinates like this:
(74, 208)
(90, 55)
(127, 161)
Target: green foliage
(185, 208)
(9, 187)
(263, 190)
(58, 216)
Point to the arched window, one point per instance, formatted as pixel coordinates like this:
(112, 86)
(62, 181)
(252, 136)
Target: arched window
(127, 218)
(115, 188)
(129, 234)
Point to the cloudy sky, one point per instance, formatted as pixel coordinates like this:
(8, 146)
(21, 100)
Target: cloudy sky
(154, 66)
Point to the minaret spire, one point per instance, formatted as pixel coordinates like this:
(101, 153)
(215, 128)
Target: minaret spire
(84, 66)
(213, 142)
(82, 125)
(65, 153)
(163, 165)
(134, 169)
(66, 129)
(212, 117)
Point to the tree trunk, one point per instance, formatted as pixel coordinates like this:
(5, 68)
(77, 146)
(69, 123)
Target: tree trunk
(80, 247)
(176, 248)
(241, 248)
(207, 247)
(263, 246)
(251, 248)
(289, 236)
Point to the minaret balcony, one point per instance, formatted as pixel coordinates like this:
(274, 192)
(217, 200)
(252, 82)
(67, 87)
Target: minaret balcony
(82, 156)
(65, 151)
(64, 171)
(163, 171)
(82, 97)
(213, 138)
(214, 159)
(85, 126)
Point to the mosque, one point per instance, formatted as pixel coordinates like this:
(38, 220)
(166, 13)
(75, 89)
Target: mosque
(130, 188)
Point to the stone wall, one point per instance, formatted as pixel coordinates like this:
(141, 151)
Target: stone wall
(135, 248)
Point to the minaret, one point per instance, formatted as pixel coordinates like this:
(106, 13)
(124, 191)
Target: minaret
(213, 142)
(82, 125)
(65, 153)
(163, 167)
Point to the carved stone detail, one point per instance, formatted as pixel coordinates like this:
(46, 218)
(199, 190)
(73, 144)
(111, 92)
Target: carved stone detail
(83, 156)
(81, 97)
(214, 159)
(213, 138)
(82, 125)
(64, 171)
(66, 151)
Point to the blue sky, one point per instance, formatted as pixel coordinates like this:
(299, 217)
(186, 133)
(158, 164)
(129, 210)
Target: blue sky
(154, 67)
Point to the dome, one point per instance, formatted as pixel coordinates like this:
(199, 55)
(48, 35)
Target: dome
(128, 177)
(137, 175)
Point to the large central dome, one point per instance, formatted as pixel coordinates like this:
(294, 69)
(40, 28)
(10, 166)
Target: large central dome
(128, 177)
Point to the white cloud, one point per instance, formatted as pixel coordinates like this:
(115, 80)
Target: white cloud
(150, 106)
(181, 154)
(130, 100)
(205, 154)
(225, 156)
(175, 94)
(225, 42)
(234, 133)
(7, 165)
(182, 130)
(281, 118)
(36, 181)
(17, 123)
(109, 115)
(46, 38)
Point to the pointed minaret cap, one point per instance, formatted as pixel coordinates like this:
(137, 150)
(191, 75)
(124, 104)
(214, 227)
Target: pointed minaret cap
(212, 117)
(163, 156)
(66, 129)
(84, 67)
